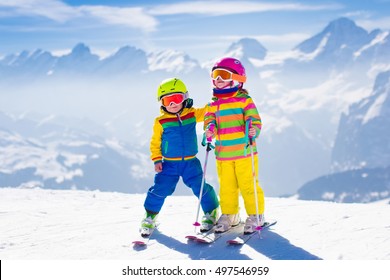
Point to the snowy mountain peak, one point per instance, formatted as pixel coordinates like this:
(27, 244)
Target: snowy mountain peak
(127, 50)
(80, 60)
(247, 48)
(125, 60)
(342, 25)
(171, 61)
(340, 34)
(16, 60)
(80, 50)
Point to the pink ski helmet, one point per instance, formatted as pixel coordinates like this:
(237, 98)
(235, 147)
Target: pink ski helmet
(232, 64)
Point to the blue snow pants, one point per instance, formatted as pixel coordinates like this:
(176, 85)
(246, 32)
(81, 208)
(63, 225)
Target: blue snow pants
(165, 184)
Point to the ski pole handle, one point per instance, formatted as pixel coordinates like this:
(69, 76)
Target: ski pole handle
(249, 126)
(211, 128)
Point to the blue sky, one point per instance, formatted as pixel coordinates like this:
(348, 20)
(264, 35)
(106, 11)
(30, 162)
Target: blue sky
(202, 29)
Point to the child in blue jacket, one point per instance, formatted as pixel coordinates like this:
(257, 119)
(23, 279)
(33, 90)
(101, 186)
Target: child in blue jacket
(173, 150)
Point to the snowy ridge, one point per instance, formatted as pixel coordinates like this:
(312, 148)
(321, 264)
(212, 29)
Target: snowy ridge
(74, 225)
(44, 154)
(303, 96)
(171, 61)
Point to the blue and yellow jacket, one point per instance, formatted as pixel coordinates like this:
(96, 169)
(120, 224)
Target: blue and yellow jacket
(174, 136)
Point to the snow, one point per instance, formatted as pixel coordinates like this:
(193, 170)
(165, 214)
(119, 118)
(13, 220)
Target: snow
(275, 124)
(335, 93)
(171, 61)
(375, 109)
(318, 50)
(14, 158)
(41, 224)
(379, 39)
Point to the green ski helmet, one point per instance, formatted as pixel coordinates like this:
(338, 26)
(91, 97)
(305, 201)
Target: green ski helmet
(171, 85)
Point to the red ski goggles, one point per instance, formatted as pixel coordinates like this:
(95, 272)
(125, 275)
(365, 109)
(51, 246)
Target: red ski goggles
(175, 98)
(227, 75)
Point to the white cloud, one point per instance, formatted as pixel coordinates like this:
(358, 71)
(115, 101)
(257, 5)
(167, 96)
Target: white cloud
(60, 12)
(52, 9)
(139, 17)
(214, 8)
(370, 24)
(132, 17)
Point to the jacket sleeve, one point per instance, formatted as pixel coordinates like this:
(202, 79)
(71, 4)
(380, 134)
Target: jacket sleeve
(155, 142)
(250, 111)
(199, 113)
(209, 117)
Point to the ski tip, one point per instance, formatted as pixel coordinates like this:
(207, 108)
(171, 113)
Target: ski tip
(139, 243)
(191, 237)
(197, 224)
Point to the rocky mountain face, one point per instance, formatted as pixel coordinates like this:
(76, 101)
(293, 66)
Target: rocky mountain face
(361, 154)
(361, 138)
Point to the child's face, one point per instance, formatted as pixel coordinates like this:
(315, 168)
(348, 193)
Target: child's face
(219, 83)
(174, 108)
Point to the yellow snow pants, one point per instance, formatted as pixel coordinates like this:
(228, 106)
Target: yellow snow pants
(235, 177)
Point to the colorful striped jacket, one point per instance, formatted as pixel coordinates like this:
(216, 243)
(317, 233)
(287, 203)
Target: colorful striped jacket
(229, 116)
(174, 136)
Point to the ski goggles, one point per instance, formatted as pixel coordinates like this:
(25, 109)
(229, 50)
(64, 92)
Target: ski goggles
(174, 98)
(227, 75)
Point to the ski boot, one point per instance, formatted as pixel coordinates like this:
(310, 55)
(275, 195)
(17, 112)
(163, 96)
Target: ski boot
(251, 223)
(226, 221)
(148, 224)
(209, 220)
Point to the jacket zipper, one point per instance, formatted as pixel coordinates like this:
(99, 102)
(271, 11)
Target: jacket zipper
(181, 133)
(218, 147)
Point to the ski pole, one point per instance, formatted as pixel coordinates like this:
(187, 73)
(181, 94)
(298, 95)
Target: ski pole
(258, 227)
(208, 149)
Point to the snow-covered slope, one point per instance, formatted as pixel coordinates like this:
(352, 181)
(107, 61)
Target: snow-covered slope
(48, 155)
(74, 225)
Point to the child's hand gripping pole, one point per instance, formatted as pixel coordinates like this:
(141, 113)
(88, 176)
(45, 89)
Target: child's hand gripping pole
(208, 149)
(248, 126)
(210, 127)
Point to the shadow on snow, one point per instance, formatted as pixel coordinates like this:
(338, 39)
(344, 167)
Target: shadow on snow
(271, 245)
